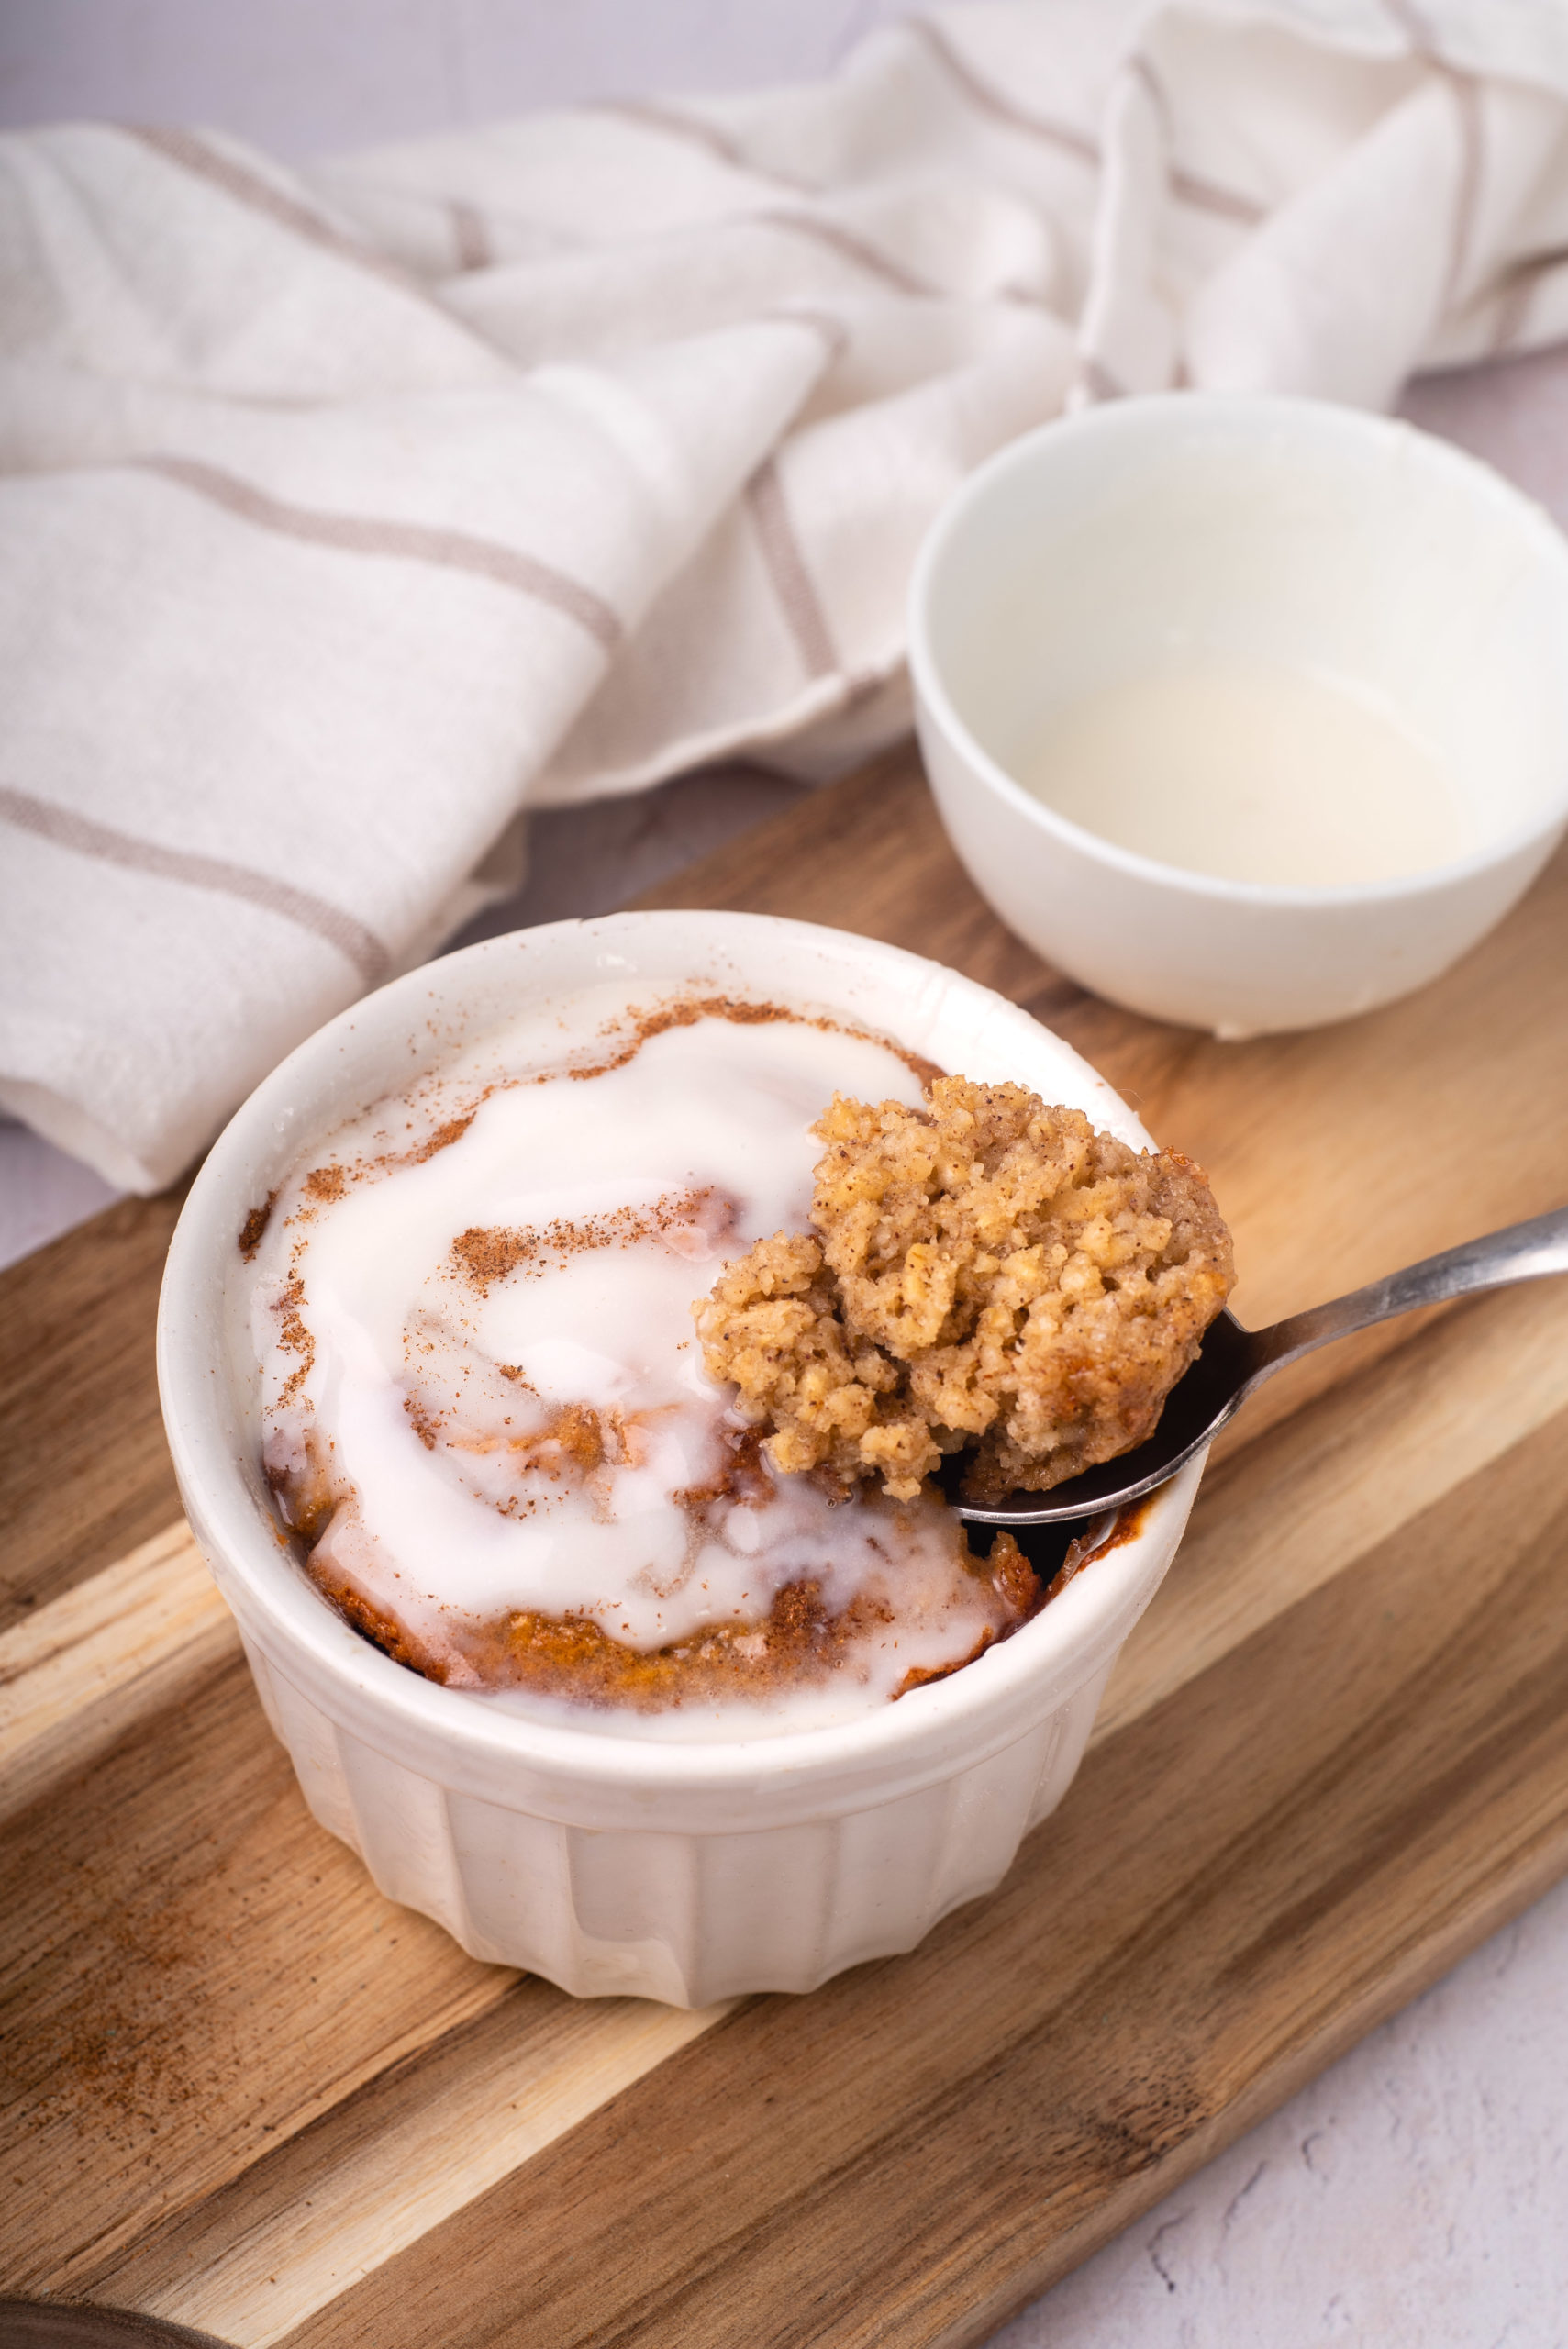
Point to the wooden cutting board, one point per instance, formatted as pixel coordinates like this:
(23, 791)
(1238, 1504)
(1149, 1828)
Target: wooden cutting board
(247, 2093)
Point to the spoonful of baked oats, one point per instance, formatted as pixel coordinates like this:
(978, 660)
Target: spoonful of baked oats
(994, 1294)
(987, 1280)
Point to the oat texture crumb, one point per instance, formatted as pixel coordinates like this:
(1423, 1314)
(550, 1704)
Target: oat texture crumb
(989, 1274)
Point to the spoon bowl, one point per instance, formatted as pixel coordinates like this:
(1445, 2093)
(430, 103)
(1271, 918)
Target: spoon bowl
(1233, 1361)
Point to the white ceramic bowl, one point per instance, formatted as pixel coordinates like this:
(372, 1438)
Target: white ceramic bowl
(1257, 529)
(606, 1864)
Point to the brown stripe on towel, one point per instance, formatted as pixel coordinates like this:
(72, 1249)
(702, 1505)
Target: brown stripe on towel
(1516, 293)
(1066, 136)
(471, 235)
(1467, 106)
(1203, 194)
(987, 100)
(1096, 379)
(248, 188)
(1224, 203)
(792, 583)
(83, 837)
(1137, 68)
(834, 331)
(650, 114)
(413, 542)
(1467, 196)
(849, 247)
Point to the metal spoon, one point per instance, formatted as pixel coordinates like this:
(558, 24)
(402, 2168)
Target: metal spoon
(1234, 1360)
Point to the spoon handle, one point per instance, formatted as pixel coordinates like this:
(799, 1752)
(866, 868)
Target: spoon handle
(1521, 1252)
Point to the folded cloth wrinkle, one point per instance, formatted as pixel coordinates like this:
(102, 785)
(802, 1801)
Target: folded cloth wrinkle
(346, 513)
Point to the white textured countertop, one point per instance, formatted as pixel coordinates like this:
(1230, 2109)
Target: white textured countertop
(1417, 2192)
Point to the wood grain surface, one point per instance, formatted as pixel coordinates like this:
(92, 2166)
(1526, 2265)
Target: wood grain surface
(84, 1473)
(243, 2091)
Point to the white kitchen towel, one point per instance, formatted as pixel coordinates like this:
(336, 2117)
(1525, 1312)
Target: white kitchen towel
(346, 513)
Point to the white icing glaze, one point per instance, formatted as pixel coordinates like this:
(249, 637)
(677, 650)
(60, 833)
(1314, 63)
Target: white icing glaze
(1251, 769)
(438, 1374)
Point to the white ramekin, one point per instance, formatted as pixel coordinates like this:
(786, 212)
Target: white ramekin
(683, 1872)
(1276, 531)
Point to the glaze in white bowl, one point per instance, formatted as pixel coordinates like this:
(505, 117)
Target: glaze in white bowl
(608, 1865)
(1280, 531)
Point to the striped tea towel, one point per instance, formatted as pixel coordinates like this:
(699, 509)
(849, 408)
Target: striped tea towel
(345, 514)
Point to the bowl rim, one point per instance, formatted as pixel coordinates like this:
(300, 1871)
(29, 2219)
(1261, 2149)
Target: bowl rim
(1147, 413)
(206, 1430)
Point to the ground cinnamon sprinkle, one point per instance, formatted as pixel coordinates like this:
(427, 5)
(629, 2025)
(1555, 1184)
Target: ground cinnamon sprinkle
(427, 1427)
(253, 1228)
(324, 1184)
(444, 1136)
(294, 1337)
(743, 1014)
(492, 1254)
